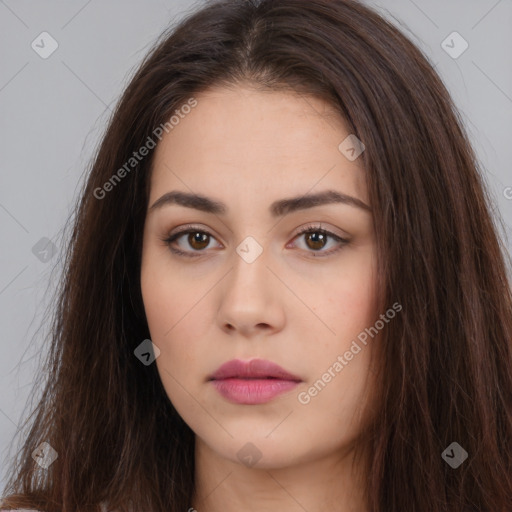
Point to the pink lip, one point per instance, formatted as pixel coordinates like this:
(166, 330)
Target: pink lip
(252, 382)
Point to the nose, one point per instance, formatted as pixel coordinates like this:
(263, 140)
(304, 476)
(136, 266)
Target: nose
(251, 298)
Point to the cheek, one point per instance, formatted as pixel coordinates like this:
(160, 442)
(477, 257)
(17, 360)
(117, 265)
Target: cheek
(179, 316)
(340, 385)
(173, 331)
(159, 303)
(170, 314)
(348, 310)
(350, 301)
(169, 298)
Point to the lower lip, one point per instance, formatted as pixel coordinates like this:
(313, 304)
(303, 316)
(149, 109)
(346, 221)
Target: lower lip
(252, 391)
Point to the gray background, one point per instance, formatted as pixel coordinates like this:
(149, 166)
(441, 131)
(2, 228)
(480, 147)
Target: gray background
(53, 112)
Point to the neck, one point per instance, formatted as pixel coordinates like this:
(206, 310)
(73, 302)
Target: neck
(332, 482)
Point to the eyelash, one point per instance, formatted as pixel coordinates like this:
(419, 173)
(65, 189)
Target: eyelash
(306, 229)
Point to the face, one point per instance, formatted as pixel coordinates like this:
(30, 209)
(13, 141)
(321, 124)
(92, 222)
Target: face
(232, 276)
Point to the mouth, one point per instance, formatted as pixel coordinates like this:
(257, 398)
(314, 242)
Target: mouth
(253, 369)
(252, 382)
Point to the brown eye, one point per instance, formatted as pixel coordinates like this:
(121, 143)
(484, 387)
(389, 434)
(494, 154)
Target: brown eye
(315, 240)
(190, 242)
(198, 240)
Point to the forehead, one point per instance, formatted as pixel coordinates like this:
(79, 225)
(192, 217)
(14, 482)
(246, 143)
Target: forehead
(241, 140)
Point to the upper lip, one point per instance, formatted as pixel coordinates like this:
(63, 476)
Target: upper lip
(255, 368)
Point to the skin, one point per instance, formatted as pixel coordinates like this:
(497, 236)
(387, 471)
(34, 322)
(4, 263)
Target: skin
(293, 306)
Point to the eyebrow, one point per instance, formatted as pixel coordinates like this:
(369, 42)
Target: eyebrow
(277, 208)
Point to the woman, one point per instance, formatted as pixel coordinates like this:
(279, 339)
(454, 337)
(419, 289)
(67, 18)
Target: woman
(284, 286)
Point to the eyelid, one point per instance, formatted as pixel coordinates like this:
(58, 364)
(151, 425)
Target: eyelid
(183, 230)
(318, 228)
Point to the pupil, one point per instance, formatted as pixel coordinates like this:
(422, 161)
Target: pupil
(198, 238)
(317, 239)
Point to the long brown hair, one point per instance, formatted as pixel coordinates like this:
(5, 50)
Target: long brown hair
(445, 362)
